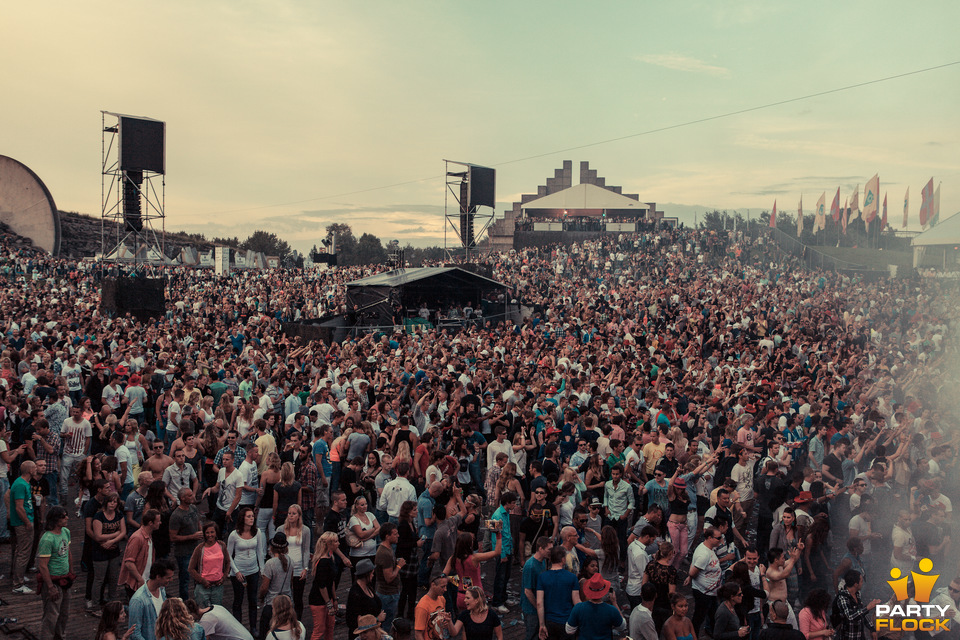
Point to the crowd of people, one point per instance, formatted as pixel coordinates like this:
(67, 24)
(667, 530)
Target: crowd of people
(685, 435)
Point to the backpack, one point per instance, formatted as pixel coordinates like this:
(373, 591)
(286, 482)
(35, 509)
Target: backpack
(836, 614)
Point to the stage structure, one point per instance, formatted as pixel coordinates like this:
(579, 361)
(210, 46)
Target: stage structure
(471, 187)
(132, 188)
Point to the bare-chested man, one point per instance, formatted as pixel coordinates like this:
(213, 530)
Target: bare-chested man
(781, 565)
(158, 462)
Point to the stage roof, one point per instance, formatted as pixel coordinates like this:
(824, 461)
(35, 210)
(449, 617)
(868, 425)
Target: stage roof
(585, 196)
(400, 277)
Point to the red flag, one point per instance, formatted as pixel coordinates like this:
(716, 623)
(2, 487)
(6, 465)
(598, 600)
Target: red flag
(773, 216)
(835, 207)
(883, 220)
(906, 206)
(926, 197)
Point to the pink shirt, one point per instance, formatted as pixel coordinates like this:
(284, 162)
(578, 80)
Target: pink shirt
(211, 563)
(809, 624)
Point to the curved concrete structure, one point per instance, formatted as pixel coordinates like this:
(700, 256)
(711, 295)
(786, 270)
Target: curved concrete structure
(27, 207)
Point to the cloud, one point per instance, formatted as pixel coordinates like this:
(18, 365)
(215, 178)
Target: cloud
(679, 62)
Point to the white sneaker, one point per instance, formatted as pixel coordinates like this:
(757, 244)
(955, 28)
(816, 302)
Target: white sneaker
(24, 590)
(502, 609)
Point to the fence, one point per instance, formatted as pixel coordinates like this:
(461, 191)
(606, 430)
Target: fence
(812, 258)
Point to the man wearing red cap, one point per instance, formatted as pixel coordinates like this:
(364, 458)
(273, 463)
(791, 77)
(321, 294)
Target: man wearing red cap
(594, 619)
(133, 397)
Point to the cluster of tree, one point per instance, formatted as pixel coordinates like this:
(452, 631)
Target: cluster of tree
(369, 249)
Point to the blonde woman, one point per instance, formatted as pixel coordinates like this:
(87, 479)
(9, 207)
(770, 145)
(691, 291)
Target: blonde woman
(206, 410)
(286, 493)
(174, 622)
(268, 480)
(478, 620)
(508, 482)
(298, 545)
(365, 527)
(285, 623)
(323, 593)
(243, 418)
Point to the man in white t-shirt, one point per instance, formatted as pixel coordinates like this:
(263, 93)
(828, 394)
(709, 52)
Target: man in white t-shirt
(742, 474)
(173, 417)
(74, 375)
(251, 476)
(112, 394)
(76, 434)
(125, 461)
(228, 491)
(637, 560)
(706, 576)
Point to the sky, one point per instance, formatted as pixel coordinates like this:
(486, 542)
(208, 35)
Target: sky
(288, 116)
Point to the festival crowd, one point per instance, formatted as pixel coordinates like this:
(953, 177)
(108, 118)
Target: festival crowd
(685, 435)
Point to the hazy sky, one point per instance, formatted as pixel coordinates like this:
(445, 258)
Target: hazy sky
(291, 115)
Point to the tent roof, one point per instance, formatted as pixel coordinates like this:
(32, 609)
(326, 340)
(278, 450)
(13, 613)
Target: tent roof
(399, 277)
(585, 196)
(946, 232)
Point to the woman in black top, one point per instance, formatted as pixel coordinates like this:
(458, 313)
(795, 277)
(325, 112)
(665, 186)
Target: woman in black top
(285, 493)
(407, 549)
(323, 593)
(157, 499)
(362, 600)
(109, 530)
(661, 573)
(478, 622)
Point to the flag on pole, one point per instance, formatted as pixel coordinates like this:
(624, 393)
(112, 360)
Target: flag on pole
(800, 218)
(883, 220)
(926, 197)
(855, 203)
(935, 214)
(871, 198)
(835, 207)
(844, 217)
(821, 222)
(773, 216)
(906, 206)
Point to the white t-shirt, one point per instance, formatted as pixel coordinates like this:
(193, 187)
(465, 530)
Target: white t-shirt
(4, 467)
(903, 538)
(173, 410)
(287, 635)
(124, 454)
(710, 576)
(74, 436)
(743, 476)
(73, 375)
(251, 478)
(229, 485)
(863, 529)
(637, 560)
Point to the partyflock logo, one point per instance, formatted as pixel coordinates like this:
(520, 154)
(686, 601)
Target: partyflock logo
(921, 616)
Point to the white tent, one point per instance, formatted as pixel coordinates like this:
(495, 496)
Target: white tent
(583, 199)
(941, 240)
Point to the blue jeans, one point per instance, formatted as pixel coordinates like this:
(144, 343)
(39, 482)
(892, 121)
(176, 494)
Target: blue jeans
(183, 575)
(423, 573)
(4, 487)
(389, 603)
(125, 491)
(531, 625)
(500, 580)
(53, 479)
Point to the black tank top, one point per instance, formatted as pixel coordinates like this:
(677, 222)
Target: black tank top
(266, 502)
